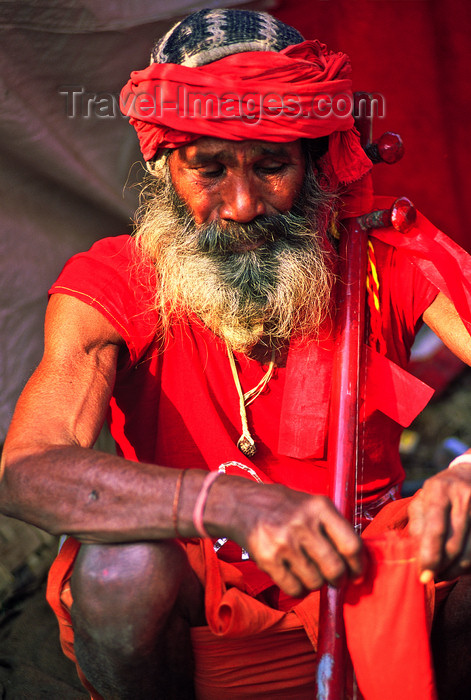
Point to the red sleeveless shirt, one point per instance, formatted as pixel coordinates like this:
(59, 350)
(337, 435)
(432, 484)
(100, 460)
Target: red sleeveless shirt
(178, 406)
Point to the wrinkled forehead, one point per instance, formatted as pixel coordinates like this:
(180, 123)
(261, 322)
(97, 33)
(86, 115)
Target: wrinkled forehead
(209, 35)
(206, 149)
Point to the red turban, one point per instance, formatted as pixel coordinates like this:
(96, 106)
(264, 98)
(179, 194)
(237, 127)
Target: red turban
(302, 91)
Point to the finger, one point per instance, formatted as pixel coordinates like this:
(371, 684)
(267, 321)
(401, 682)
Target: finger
(458, 528)
(306, 570)
(431, 554)
(286, 579)
(439, 520)
(274, 556)
(429, 525)
(347, 543)
(416, 514)
(319, 549)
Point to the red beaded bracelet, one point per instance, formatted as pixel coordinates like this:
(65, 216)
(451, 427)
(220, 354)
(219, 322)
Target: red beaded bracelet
(200, 504)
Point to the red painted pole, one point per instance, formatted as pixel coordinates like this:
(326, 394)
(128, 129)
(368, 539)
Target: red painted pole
(343, 445)
(332, 654)
(332, 657)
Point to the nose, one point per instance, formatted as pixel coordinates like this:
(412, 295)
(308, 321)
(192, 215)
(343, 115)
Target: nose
(241, 201)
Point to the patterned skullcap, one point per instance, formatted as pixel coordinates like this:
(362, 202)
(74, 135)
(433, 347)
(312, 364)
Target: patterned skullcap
(209, 35)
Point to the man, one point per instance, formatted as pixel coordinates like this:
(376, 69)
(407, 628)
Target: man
(192, 338)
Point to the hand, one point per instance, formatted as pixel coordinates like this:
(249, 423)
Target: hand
(301, 541)
(440, 519)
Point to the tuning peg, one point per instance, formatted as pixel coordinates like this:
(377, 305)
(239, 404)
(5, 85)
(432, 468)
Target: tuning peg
(402, 216)
(389, 148)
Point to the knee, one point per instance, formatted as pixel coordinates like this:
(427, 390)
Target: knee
(124, 593)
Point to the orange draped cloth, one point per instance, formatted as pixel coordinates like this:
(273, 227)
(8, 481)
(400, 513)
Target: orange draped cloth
(250, 649)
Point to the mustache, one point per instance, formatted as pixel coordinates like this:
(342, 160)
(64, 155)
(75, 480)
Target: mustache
(218, 237)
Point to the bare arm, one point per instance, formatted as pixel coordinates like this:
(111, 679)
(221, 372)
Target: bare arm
(52, 477)
(440, 516)
(442, 317)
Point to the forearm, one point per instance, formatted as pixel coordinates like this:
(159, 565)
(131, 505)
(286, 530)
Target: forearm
(99, 497)
(299, 540)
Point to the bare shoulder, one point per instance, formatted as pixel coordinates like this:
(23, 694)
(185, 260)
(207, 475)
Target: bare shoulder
(72, 323)
(66, 399)
(77, 339)
(442, 317)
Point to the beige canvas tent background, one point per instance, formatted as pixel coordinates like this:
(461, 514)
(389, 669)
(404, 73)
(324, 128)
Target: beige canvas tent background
(64, 159)
(65, 163)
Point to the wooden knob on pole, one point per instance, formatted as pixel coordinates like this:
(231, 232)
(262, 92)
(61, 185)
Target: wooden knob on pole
(402, 216)
(389, 148)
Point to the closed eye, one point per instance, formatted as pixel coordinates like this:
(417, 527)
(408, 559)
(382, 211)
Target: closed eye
(272, 169)
(211, 172)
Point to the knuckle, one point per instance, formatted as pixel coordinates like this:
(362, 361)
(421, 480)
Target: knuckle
(265, 559)
(316, 575)
(335, 570)
(324, 503)
(290, 584)
(430, 553)
(435, 526)
(415, 507)
(314, 581)
(451, 550)
(435, 490)
(352, 547)
(331, 564)
(466, 496)
(295, 590)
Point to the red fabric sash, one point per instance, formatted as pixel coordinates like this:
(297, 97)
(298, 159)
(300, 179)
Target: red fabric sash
(300, 92)
(393, 390)
(443, 262)
(386, 624)
(388, 615)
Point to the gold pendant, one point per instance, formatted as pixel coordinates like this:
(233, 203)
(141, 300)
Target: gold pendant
(246, 446)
